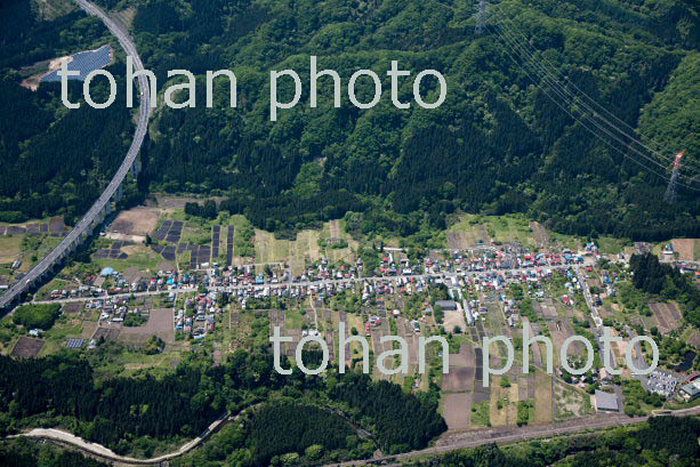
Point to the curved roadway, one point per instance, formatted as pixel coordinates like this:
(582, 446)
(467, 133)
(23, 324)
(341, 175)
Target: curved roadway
(92, 217)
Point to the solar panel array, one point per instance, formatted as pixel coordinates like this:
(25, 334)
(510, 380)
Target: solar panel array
(167, 251)
(215, 237)
(54, 227)
(85, 62)
(229, 245)
(74, 343)
(162, 231)
(200, 254)
(170, 231)
(114, 252)
(175, 232)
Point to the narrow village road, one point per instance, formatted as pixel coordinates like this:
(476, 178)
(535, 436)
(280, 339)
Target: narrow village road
(286, 285)
(68, 439)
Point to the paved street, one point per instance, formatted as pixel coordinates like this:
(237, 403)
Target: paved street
(287, 285)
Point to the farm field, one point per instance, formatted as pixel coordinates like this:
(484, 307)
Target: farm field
(667, 315)
(469, 231)
(139, 257)
(544, 403)
(27, 347)
(305, 249)
(10, 248)
(688, 249)
(134, 224)
(160, 324)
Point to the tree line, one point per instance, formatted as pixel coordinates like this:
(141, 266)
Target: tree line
(654, 277)
(115, 412)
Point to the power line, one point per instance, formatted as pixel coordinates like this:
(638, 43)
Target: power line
(581, 99)
(671, 195)
(571, 100)
(574, 101)
(581, 94)
(567, 110)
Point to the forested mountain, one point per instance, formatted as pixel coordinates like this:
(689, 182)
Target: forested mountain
(52, 161)
(498, 144)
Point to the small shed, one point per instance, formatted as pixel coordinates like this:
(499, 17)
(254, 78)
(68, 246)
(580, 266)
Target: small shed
(606, 402)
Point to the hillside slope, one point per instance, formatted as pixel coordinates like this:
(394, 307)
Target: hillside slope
(498, 144)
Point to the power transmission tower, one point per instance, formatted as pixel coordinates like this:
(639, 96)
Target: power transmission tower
(481, 17)
(671, 195)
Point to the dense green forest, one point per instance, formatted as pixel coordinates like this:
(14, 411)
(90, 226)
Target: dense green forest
(391, 408)
(498, 144)
(295, 428)
(661, 441)
(52, 161)
(126, 412)
(654, 277)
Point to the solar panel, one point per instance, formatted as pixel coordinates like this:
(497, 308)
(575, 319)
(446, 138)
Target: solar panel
(74, 343)
(85, 62)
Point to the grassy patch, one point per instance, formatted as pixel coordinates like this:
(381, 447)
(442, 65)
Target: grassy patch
(481, 414)
(10, 248)
(294, 319)
(543, 398)
(611, 245)
(37, 316)
(140, 257)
